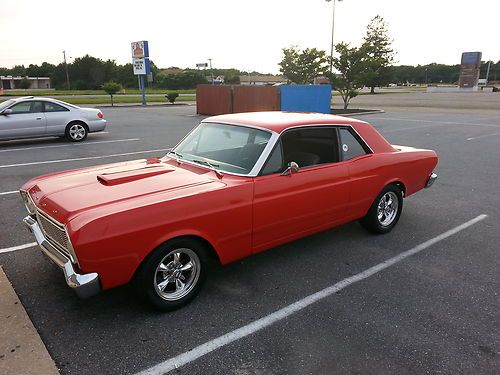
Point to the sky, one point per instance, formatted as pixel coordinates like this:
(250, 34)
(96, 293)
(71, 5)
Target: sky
(247, 35)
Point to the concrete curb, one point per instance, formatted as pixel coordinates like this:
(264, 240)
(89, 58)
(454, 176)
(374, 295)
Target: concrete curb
(22, 351)
(139, 105)
(372, 112)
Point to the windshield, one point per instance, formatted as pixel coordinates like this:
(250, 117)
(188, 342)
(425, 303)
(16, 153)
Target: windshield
(6, 103)
(228, 148)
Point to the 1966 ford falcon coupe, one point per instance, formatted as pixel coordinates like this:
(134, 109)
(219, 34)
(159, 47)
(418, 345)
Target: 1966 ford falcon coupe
(234, 186)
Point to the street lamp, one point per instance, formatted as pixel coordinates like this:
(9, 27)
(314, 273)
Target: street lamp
(333, 29)
(211, 71)
(66, 67)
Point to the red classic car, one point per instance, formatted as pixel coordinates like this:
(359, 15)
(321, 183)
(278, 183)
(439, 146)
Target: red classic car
(234, 186)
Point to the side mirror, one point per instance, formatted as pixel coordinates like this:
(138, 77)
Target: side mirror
(8, 111)
(293, 167)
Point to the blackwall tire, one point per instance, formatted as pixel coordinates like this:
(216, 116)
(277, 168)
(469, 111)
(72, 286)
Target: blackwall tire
(173, 274)
(76, 131)
(385, 211)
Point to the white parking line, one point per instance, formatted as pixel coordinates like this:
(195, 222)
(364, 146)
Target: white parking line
(403, 129)
(482, 136)
(9, 192)
(20, 247)
(257, 325)
(71, 145)
(85, 158)
(439, 122)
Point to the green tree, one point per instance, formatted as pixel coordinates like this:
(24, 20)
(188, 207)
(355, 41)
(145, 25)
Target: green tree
(352, 64)
(301, 67)
(25, 84)
(111, 88)
(184, 80)
(378, 45)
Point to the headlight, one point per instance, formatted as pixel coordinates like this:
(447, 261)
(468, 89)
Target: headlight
(28, 202)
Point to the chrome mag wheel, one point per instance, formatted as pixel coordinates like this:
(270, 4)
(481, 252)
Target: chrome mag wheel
(387, 209)
(177, 274)
(77, 132)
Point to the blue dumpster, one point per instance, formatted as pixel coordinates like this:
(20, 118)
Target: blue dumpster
(306, 98)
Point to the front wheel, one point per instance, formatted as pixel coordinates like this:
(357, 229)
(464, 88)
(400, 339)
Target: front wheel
(385, 211)
(76, 132)
(173, 274)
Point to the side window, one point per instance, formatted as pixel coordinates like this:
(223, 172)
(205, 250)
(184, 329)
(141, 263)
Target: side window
(275, 162)
(23, 107)
(36, 107)
(52, 107)
(349, 145)
(310, 146)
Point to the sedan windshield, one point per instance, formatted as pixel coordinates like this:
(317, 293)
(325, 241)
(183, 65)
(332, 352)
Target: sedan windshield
(6, 103)
(229, 148)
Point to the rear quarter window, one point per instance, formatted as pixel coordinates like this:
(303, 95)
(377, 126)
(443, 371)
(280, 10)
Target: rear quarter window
(350, 146)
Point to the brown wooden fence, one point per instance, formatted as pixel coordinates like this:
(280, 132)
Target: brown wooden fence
(219, 99)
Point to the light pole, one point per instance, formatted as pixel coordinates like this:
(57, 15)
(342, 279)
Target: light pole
(66, 67)
(211, 71)
(333, 30)
(488, 72)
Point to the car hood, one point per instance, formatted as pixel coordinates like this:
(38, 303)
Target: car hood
(64, 195)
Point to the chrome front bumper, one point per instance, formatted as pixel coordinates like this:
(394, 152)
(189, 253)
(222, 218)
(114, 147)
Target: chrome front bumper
(431, 180)
(85, 285)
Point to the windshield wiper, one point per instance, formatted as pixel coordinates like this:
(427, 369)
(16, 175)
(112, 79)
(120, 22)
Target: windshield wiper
(213, 166)
(176, 154)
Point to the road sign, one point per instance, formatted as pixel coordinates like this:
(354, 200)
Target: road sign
(202, 65)
(141, 66)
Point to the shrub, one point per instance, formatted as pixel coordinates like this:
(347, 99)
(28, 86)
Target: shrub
(171, 96)
(111, 88)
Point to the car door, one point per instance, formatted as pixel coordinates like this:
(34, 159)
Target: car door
(57, 118)
(289, 206)
(25, 120)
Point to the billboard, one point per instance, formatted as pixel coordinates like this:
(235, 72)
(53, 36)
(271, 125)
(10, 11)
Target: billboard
(471, 58)
(140, 57)
(469, 69)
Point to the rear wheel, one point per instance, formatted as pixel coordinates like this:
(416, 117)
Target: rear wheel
(76, 131)
(173, 274)
(385, 211)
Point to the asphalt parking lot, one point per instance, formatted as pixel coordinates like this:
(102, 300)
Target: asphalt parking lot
(434, 312)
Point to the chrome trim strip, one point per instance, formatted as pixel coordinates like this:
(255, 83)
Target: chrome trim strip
(333, 124)
(85, 285)
(259, 164)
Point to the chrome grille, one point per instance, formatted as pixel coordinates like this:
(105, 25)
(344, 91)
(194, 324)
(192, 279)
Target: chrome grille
(55, 233)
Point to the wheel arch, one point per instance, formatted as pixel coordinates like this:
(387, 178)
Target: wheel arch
(400, 185)
(207, 245)
(77, 121)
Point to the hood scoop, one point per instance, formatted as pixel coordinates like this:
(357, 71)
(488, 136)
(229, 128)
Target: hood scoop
(123, 177)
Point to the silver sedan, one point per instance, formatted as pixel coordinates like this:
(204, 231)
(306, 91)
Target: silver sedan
(31, 117)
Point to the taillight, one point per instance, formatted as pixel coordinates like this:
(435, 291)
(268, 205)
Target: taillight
(99, 114)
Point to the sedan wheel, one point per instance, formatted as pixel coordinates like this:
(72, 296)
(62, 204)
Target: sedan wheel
(385, 211)
(173, 274)
(177, 274)
(76, 132)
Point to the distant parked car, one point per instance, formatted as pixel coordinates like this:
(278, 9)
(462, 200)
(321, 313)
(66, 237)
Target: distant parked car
(33, 117)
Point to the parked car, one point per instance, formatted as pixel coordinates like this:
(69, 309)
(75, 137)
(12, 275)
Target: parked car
(236, 185)
(33, 117)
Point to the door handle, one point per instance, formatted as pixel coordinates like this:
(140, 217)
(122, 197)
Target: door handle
(38, 118)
